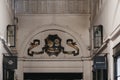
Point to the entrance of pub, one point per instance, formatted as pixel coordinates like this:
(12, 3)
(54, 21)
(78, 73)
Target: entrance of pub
(53, 76)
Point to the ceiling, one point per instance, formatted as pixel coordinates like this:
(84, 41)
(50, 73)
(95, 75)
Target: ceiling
(52, 6)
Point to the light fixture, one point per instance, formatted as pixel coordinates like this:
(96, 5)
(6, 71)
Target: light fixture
(98, 35)
(11, 31)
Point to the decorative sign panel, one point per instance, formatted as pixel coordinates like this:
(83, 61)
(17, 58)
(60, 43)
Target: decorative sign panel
(53, 46)
(100, 62)
(10, 62)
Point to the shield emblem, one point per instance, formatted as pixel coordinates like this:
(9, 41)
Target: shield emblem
(53, 45)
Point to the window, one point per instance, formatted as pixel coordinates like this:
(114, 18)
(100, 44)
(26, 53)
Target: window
(9, 65)
(118, 68)
(100, 74)
(100, 70)
(116, 51)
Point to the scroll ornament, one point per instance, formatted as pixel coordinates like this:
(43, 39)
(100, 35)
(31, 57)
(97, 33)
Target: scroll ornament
(53, 46)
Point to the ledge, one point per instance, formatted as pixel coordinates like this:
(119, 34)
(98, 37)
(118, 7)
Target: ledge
(57, 59)
(99, 50)
(115, 33)
(6, 47)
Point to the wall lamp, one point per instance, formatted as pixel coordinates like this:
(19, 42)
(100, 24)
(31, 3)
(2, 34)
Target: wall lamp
(98, 35)
(11, 35)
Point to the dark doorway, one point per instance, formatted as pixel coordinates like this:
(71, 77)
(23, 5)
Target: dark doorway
(53, 76)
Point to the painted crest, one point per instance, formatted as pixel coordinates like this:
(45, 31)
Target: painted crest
(53, 46)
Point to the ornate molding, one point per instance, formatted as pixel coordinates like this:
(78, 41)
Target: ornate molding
(53, 46)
